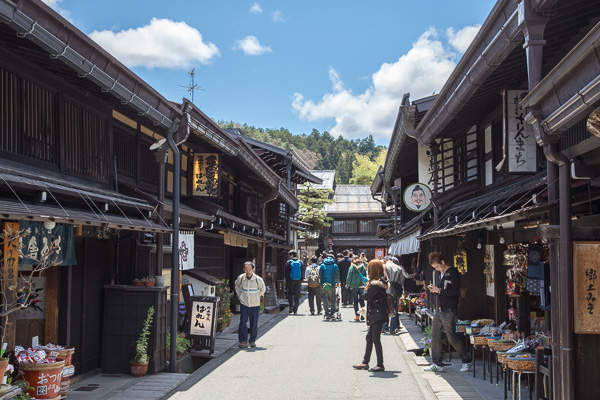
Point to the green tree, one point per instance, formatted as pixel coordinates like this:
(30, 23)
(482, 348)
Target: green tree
(364, 170)
(311, 207)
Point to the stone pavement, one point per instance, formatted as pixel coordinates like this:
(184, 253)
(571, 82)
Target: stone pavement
(308, 349)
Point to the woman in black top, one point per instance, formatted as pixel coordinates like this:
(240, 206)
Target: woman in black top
(375, 295)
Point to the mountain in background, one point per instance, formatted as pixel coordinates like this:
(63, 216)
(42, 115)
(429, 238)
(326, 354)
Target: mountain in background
(355, 161)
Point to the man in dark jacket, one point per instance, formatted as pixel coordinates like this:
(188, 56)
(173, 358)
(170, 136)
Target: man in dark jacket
(294, 270)
(344, 266)
(448, 292)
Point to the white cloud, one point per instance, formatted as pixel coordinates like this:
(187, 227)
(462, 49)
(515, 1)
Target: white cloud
(251, 46)
(462, 39)
(277, 16)
(255, 9)
(55, 5)
(422, 71)
(161, 44)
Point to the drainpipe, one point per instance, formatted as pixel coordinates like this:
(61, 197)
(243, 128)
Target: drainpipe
(288, 163)
(161, 158)
(175, 243)
(565, 312)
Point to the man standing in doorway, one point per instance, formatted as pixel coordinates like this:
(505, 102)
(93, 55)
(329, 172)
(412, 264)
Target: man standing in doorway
(293, 275)
(249, 288)
(448, 292)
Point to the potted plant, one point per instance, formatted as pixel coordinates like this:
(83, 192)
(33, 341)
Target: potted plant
(138, 282)
(224, 293)
(149, 281)
(139, 364)
(235, 302)
(183, 344)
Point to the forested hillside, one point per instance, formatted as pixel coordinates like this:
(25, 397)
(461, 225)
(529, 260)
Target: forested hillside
(356, 161)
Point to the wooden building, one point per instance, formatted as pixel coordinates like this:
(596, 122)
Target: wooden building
(510, 153)
(83, 144)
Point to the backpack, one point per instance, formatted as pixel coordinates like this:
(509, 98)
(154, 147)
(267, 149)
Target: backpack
(313, 278)
(296, 270)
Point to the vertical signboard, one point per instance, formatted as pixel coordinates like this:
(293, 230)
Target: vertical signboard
(521, 145)
(206, 175)
(10, 264)
(586, 265)
(203, 322)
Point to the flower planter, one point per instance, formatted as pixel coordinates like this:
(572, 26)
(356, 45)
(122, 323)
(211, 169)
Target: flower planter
(138, 369)
(149, 284)
(138, 283)
(160, 281)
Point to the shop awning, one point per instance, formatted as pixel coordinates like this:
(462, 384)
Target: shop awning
(407, 244)
(71, 202)
(65, 215)
(514, 202)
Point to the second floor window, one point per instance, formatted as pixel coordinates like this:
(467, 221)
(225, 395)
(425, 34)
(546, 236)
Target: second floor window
(344, 226)
(368, 227)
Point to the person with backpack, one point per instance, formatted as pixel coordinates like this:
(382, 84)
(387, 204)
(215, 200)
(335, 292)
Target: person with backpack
(377, 314)
(313, 280)
(330, 277)
(396, 275)
(355, 282)
(293, 276)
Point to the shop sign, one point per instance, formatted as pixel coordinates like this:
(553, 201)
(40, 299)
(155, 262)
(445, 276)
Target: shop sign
(38, 243)
(521, 145)
(417, 197)
(586, 267)
(206, 175)
(203, 322)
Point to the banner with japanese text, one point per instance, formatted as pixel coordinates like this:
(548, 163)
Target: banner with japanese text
(40, 240)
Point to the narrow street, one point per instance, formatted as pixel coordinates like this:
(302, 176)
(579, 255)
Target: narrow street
(305, 357)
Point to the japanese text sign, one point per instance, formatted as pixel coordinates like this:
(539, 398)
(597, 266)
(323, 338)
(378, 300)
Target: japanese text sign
(521, 145)
(206, 175)
(586, 267)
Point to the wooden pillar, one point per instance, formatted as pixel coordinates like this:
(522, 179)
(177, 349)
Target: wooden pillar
(51, 328)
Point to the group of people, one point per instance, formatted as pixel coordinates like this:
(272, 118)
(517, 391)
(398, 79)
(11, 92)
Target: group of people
(370, 282)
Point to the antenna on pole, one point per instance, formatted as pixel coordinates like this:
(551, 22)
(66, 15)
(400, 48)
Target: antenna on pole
(193, 85)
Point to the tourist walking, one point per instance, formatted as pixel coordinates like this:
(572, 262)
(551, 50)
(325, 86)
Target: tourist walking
(249, 288)
(344, 266)
(330, 278)
(293, 276)
(448, 292)
(355, 282)
(313, 280)
(376, 297)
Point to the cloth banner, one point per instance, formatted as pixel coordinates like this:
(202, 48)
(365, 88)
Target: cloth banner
(38, 242)
(186, 250)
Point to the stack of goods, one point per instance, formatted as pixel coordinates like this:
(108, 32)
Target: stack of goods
(461, 325)
(65, 353)
(41, 370)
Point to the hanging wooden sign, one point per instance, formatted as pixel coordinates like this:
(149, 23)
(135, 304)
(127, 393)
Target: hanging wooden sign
(206, 175)
(586, 265)
(521, 145)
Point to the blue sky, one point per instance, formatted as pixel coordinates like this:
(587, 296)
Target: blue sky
(340, 66)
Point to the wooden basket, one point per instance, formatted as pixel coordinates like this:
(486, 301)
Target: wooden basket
(499, 345)
(503, 356)
(520, 364)
(460, 328)
(478, 340)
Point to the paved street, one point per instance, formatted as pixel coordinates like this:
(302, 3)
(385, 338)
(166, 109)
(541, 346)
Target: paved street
(305, 357)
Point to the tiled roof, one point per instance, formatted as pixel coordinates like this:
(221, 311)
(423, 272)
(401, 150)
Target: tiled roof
(353, 199)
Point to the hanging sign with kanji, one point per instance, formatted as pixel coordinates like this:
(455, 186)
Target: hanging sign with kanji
(206, 175)
(586, 265)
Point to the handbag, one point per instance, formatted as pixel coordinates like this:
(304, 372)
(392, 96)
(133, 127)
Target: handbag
(390, 305)
(364, 278)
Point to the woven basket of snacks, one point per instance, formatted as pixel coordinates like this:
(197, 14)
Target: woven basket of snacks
(490, 339)
(478, 340)
(503, 355)
(460, 328)
(521, 363)
(499, 345)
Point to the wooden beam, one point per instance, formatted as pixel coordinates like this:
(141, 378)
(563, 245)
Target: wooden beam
(51, 329)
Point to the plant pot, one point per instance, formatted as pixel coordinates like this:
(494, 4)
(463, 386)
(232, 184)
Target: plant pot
(149, 284)
(401, 308)
(160, 281)
(3, 365)
(138, 369)
(138, 283)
